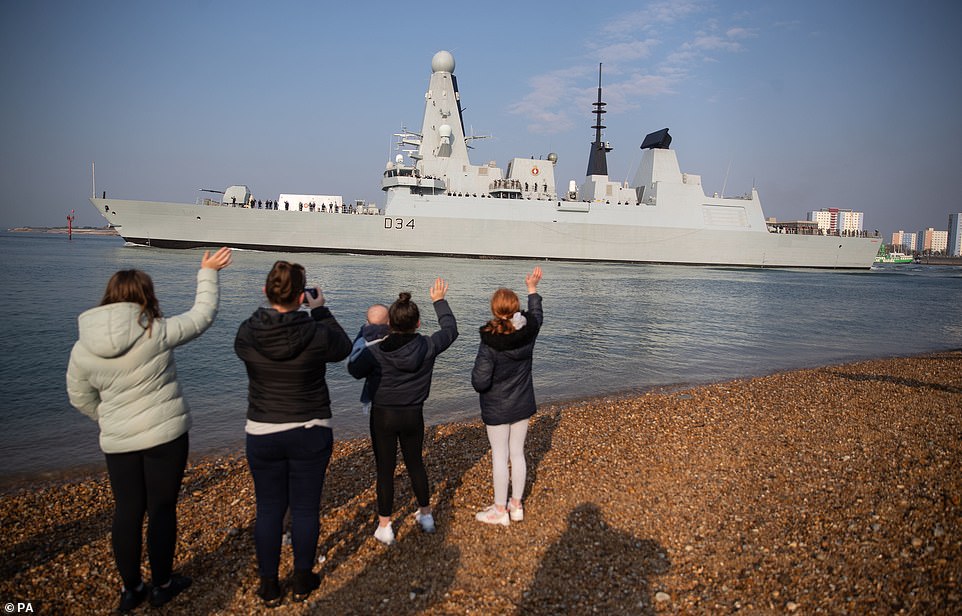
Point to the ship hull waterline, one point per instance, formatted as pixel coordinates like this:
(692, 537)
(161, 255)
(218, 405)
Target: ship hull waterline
(557, 235)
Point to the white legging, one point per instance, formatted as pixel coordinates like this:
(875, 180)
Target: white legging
(507, 440)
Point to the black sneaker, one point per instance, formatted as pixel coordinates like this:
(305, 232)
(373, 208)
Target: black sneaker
(161, 595)
(305, 582)
(270, 592)
(131, 599)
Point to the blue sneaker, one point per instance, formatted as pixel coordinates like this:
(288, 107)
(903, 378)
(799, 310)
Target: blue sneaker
(426, 520)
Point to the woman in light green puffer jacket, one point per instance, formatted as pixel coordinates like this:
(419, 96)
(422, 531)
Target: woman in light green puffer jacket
(122, 375)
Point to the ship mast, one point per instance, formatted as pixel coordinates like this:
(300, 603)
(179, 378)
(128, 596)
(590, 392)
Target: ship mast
(597, 160)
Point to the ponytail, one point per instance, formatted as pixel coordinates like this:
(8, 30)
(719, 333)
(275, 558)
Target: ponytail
(504, 305)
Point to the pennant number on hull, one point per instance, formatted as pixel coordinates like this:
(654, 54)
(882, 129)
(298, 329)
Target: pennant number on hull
(398, 223)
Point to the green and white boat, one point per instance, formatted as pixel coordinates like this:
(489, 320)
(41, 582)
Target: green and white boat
(884, 256)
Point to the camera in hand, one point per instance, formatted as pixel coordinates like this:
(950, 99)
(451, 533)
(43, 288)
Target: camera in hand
(311, 291)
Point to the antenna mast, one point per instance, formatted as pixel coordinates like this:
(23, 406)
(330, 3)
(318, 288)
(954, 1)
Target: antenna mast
(597, 159)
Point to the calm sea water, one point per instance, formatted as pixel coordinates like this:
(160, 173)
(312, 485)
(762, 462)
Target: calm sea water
(608, 329)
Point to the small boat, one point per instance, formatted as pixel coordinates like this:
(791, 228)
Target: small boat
(884, 256)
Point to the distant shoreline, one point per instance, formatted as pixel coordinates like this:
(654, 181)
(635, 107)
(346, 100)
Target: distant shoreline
(63, 230)
(939, 260)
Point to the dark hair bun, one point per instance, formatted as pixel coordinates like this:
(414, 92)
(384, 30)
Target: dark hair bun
(403, 314)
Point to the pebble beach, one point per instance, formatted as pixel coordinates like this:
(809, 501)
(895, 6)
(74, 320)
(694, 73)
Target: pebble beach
(831, 490)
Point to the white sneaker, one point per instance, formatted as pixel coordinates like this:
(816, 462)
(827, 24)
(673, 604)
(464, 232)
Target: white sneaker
(426, 521)
(491, 515)
(384, 534)
(515, 512)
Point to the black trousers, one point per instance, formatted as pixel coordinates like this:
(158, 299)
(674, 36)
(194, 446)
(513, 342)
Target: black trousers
(288, 469)
(391, 425)
(146, 482)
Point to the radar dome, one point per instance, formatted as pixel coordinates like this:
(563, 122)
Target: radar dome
(552, 158)
(442, 62)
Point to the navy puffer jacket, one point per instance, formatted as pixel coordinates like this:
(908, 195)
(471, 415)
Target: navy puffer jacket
(502, 370)
(399, 369)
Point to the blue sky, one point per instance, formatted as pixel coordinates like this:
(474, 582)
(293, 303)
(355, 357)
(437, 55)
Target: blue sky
(819, 104)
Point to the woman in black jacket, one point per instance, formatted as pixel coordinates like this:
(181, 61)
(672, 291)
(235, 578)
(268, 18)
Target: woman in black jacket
(289, 438)
(399, 371)
(502, 375)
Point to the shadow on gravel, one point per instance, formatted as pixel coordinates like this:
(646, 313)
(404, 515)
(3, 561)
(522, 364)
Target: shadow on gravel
(414, 575)
(352, 474)
(621, 584)
(417, 571)
(52, 542)
(885, 378)
(232, 564)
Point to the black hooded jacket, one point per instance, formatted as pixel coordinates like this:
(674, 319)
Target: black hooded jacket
(399, 369)
(286, 355)
(502, 370)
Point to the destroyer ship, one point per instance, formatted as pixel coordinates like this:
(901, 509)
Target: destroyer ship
(437, 202)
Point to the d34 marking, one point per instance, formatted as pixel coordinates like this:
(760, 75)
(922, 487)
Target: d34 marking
(398, 223)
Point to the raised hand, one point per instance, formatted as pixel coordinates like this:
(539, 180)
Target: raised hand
(532, 280)
(439, 290)
(218, 261)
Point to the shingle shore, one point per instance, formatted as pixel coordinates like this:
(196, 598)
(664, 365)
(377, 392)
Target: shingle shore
(834, 490)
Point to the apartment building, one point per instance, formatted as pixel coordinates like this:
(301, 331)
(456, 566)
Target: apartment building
(954, 240)
(904, 242)
(833, 220)
(932, 241)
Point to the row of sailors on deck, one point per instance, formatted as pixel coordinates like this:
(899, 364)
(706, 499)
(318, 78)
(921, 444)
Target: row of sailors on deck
(311, 207)
(794, 230)
(517, 185)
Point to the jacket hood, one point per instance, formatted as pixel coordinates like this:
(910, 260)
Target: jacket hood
(515, 340)
(280, 335)
(405, 352)
(374, 331)
(109, 331)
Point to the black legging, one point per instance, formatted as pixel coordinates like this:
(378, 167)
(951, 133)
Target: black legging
(390, 424)
(146, 481)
